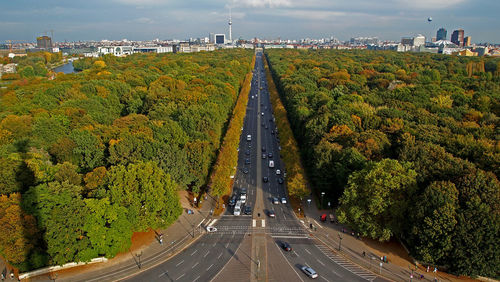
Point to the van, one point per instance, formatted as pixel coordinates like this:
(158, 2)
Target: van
(249, 137)
(237, 208)
(271, 164)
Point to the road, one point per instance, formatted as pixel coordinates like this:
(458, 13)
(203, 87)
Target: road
(207, 258)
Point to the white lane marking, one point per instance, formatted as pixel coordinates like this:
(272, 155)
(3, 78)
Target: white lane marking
(227, 245)
(317, 224)
(195, 265)
(210, 266)
(206, 254)
(254, 223)
(263, 223)
(179, 263)
(194, 252)
(307, 251)
(220, 255)
(325, 279)
(196, 278)
(295, 253)
(320, 262)
(337, 274)
(180, 276)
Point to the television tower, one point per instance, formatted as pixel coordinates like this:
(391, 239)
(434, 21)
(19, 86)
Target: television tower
(230, 28)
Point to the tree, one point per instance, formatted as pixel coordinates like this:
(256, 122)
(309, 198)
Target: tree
(148, 194)
(376, 198)
(433, 218)
(89, 149)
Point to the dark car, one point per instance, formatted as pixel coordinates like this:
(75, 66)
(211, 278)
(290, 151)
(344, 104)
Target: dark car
(232, 201)
(245, 170)
(265, 179)
(263, 148)
(286, 246)
(247, 152)
(247, 161)
(272, 132)
(248, 210)
(271, 214)
(270, 155)
(264, 155)
(280, 180)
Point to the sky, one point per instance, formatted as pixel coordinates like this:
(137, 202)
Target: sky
(74, 20)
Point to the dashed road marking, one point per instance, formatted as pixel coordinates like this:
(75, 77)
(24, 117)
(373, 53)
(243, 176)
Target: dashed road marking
(307, 251)
(180, 276)
(210, 266)
(206, 254)
(195, 265)
(179, 263)
(194, 252)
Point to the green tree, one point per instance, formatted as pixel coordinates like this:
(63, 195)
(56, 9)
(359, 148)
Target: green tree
(376, 198)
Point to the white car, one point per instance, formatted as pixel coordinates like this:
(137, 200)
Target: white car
(278, 172)
(309, 272)
(283, 200)
(211, 229)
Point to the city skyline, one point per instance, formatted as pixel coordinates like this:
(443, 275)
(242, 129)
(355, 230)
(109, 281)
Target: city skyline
(291, 19)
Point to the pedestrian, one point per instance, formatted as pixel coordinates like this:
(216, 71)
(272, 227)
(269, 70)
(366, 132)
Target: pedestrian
(421, 276)
(427, 268)
(161, 241)
(357, 235)
(364, 253)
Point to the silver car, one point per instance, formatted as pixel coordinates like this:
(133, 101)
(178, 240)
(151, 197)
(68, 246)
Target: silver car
(309, 272)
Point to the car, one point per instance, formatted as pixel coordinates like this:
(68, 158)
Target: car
(278, 172)
(245, 170)
(323, 217)
(232, 201)
(262, 113)
(271, 214)
(276, 201)
(247, 152)
(286, 246)
(248, 210)
(266, 127)
(247, 161)
(264, 155)
(265, 179)
(309, 272)
(211, 229)
(272, 132)
(263, 148)
(283, 200)
(280, 180)
(270, 155)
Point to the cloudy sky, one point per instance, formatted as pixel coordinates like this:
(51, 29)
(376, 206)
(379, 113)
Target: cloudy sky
(289, 19)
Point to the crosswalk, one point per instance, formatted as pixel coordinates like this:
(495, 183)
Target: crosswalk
(340, 260)
(273, 231)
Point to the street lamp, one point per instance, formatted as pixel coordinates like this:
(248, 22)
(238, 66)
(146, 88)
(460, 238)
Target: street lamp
(138, 255)
(322, 203)
(340, 241)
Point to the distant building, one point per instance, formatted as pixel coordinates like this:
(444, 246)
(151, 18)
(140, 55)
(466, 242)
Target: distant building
(457, 37)
(465, 52)
(441, 34)
(220, 38)
(467, 41)
(44, 42)
(418, 40)
(154, 49)
(116, 50)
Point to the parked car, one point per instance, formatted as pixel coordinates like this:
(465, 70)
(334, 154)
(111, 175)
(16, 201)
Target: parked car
(323, 217)
(286, 246)
(233, 200)
(309, 272)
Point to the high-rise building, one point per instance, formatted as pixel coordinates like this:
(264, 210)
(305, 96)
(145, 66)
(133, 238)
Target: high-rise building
(441, 34)
(457, 37)
(44, 42)
(230, 28)
(220, 39)
(467, 41)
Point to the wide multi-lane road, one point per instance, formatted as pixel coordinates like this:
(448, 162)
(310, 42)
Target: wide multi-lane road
(208, 258)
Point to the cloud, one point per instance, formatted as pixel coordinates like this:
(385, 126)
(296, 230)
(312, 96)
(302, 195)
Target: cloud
(430, 4)
(261, 3)
(143, 20)
(142, 2)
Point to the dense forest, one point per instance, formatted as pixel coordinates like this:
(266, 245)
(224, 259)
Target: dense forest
(406, 144)
(89, 158)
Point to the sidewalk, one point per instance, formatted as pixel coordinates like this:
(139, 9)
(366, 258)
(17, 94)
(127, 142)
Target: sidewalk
(146, 250)
(399, 266)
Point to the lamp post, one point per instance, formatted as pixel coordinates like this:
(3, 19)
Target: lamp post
(138, 255)
(340, 241)
(322, 196)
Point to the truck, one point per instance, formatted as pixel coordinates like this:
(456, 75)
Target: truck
(249, 137)
(237, 208)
